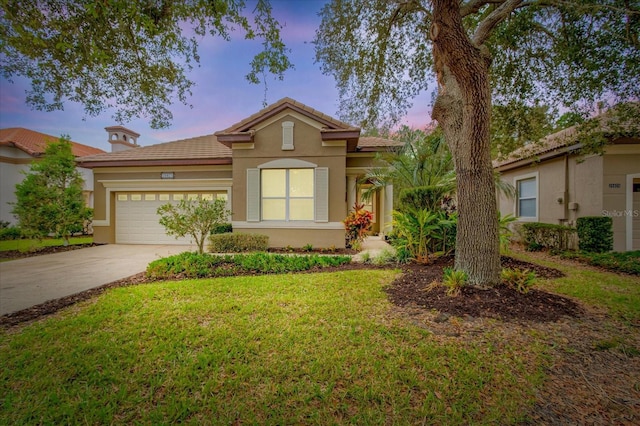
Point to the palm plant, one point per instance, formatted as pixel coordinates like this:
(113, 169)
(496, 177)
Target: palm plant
(423, 161)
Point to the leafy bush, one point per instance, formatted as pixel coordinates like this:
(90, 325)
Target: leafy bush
(539, 236)
(10, 233)
(357, 225)
(188, 264)
(422, 234)
(222, 228)
(628, 262)
(237, 242)
(505, 231)
(454, 280)
(595, 234)
(423, 198)
(518, 279)
(195, 265)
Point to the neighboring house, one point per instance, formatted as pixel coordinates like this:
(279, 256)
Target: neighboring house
(556, 185)
(288, 172)
(18, 149)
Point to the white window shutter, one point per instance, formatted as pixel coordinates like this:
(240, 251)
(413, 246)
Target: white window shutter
(253, 195)
(322, 194)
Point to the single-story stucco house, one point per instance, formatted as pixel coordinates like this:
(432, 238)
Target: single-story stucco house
(555, 184)
(19, 147)
(287, 171)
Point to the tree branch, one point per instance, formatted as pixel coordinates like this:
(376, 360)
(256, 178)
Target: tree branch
(473, 6)
(489, 23)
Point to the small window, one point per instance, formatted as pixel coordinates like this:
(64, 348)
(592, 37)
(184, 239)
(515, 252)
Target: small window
(208, 197)
(527, 206)
(136, 197)
(163, 197)
(178, 197)
(122, 197)
(149, 197)
(222, 196)
(192, 196)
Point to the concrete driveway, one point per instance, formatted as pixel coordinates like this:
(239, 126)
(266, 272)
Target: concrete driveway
(34, 280)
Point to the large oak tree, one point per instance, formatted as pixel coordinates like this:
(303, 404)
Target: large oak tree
(132, 56)
(566, 53)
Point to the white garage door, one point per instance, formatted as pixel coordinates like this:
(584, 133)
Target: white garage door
(137, 221)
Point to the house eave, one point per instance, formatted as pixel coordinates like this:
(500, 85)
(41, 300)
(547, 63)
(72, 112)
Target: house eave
(142, 163)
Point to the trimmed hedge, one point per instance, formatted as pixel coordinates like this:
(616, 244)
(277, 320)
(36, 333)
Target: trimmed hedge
(595, 234)
(237, 242)
(628, 262)
(194, 265)
(546, 236)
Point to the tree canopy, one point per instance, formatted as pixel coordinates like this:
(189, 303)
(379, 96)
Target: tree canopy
(559, 53)
(132, 56)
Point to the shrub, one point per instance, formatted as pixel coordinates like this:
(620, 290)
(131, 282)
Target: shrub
(595, 234)
(357, 225)
(628, 262)
(237, 242)
(454, 280)
(195, 265)
(505, 231)
(422, 234)
(188, 265)
(307, 247)
(539, 236)
(518, 279)
(222, 228)
(422, 198)
(10, 233)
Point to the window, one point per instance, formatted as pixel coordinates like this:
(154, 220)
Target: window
(527, 203)
(287, 194)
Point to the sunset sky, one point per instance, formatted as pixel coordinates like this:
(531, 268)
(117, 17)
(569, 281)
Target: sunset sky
(221, 96)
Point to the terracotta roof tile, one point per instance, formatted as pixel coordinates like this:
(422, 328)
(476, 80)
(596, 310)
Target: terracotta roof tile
(34, 143)
(198, 148)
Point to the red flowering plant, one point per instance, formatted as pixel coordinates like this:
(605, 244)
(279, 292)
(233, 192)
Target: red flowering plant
(357, 225)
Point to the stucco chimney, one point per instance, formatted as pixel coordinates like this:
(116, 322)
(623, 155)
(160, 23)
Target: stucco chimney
(121, 138)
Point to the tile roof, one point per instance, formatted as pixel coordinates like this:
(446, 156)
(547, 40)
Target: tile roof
(374, 142)
(34, 143)
(282, 104)
(563, 139)
(192, 149)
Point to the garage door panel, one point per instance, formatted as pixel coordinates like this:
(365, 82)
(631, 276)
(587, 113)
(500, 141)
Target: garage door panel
(138, 223)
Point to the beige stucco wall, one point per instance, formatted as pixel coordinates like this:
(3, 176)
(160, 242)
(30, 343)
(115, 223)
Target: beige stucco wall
(619, 161)
(308, 147)
(111, 180)
(597, 183)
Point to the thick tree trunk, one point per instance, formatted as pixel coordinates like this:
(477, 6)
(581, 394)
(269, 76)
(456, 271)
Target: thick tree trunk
(463, 110)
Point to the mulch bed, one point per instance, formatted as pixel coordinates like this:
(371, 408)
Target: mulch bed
(19, 254)
(501, 302)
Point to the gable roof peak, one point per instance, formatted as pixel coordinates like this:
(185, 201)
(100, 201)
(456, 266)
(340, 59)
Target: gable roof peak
(281, 105)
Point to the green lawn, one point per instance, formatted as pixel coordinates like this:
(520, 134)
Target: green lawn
(318, 348)
(619, 294)
(26, 244)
